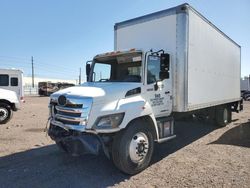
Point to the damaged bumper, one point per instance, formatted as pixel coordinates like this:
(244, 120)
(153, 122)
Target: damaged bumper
(75, 142)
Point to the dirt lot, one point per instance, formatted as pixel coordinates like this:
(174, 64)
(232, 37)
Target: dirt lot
(202, 155)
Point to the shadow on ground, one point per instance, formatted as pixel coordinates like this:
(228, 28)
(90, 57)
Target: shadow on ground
(186, 133)
(48, 167)
(237, 136)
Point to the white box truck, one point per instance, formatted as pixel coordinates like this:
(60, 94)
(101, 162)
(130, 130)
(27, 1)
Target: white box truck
(178, 64)
(11, 92)
(12, 79)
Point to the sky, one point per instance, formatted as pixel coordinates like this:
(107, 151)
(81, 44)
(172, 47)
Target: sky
(62, 35)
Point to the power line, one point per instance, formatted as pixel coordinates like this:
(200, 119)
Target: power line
(14, 60)
(13, 64)
(57, 66)
(37, 63)
(19, 60)
(38, 68)
(10, 57)
(55, 76)
(24, 60)
(55, 70)
(41, 67)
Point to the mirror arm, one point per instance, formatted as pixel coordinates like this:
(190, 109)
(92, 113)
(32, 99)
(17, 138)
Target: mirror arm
(94, 76)
(156, 87)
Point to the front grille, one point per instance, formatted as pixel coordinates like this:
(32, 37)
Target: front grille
(68, 122)
(74, 105)
(68, 113)
(74, 112)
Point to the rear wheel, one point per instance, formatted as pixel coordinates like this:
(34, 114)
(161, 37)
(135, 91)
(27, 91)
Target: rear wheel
(223, 115)
(133, 148)
(5, 113)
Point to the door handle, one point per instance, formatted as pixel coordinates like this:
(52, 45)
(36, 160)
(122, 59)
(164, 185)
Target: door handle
(167, 92)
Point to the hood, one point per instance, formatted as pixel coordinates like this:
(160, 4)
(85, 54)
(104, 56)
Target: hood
(8, 95)
(100, 91)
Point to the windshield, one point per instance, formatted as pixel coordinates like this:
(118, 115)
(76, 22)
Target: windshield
(122, 68)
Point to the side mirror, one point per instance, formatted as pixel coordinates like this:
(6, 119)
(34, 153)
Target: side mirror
(158, 85)
(88, 71)
(164, 75)
(165, 65)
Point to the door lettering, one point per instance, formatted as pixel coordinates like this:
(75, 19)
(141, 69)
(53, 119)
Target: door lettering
(157, 100)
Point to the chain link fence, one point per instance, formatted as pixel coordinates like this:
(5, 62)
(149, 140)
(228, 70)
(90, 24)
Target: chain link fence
(29, 90)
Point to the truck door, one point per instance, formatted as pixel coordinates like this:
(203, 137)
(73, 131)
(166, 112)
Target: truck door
(158, 84)
(14, 84)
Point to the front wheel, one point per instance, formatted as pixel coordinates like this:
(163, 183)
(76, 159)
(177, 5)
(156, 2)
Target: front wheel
(133, 148)
(5, 113)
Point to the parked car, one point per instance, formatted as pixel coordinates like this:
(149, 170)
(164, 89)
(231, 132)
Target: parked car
(246, 95)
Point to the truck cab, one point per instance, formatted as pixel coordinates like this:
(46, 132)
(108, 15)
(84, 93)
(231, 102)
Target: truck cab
(12, 79)
(127, 100)
(149, 72)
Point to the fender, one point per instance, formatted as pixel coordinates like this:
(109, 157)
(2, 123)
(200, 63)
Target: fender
(134, 108)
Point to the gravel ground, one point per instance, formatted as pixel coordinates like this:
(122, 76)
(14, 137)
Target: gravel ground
(202, 155)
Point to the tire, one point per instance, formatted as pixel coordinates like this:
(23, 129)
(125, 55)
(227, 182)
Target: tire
(223, 115)
(132, 148)
(229, 115)
(5, 113)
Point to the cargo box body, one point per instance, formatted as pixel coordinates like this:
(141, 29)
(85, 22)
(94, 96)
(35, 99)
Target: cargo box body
(205, 63)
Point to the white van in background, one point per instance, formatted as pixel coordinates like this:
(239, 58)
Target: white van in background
(12, 79)
(11, 93)
(9, 102)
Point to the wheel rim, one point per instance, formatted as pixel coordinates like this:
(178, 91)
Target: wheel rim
(225, 115)
(138, 148)
(3, 114)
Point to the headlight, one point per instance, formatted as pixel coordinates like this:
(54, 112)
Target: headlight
(109, 121)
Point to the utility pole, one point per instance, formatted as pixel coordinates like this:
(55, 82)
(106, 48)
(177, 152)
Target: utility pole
(32, 65)
(80, 76)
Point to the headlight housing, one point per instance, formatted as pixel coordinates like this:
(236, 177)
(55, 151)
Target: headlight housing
(109, 121)
(50, 110)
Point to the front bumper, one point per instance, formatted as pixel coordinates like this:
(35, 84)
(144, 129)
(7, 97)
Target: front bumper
(75, 142)
(68, 127)
(16, 106)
